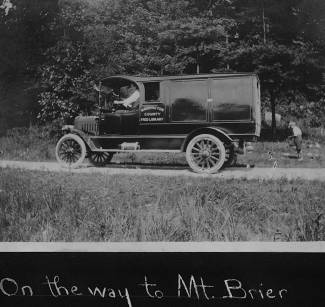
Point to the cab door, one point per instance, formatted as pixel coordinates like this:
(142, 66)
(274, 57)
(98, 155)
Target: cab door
(152, 109)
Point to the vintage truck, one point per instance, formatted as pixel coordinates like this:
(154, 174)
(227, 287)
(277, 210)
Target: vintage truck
(209, 117)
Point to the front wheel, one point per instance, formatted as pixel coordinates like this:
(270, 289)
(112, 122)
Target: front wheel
(205, 153)
(70, 150)
(231, 155)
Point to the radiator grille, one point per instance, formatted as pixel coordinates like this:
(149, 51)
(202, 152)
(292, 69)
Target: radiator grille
(87, 124)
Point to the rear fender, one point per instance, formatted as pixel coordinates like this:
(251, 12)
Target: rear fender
(221, 134)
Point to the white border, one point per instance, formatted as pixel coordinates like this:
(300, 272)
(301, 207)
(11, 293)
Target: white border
(138, 247)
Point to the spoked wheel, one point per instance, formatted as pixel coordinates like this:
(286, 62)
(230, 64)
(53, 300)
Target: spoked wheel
(100, 158)
(205, 153)
(70, 151)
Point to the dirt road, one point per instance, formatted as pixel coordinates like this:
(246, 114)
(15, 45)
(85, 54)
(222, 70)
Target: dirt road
(238, 173)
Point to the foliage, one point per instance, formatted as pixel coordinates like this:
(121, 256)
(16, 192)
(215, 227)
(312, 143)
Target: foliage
(24, 36)
(36, 143)
(66, 83)
(277, 66)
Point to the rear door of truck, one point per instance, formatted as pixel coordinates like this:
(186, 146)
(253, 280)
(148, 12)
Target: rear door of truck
(257, 105)
(231, 99)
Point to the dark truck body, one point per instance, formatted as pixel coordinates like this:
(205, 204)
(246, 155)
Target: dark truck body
(172, 110)
(229, 102)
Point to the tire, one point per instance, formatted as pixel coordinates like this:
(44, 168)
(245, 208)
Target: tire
(100, 158)
(70, 151)
(205, 153)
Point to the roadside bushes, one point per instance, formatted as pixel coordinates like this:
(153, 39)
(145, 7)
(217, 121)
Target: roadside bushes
(34, 143)
(308, 113)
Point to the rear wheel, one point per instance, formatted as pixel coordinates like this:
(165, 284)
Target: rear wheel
(70, 151)
(100, 158)
(205, 153)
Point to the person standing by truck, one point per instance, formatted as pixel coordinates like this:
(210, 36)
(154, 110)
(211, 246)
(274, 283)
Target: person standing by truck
(296, 135)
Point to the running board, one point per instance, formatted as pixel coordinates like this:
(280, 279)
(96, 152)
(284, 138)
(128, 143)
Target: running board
(137, 150)
(148, 144)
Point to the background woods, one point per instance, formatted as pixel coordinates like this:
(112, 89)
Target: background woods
(51, 51)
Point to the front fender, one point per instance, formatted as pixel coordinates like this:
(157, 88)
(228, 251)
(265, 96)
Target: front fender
(85, 137)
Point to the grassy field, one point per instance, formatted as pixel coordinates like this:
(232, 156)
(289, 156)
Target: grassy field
(40, 206)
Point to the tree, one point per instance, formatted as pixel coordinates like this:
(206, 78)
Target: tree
(24, 35)
(65, 76)
(270, 43)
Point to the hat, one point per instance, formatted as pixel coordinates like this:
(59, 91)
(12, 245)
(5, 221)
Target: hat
(292, 124)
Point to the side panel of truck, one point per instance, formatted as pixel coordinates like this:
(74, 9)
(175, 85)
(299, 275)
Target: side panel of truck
(188, 101)
(226, 102)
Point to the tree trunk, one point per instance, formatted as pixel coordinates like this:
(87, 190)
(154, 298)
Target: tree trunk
(197, 60)
(264, 24)
(273, 101)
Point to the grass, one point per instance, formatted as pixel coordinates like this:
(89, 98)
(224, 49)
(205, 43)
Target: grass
(41, 206)
(285, 155)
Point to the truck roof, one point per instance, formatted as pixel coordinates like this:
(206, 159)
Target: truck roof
(179, 77)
